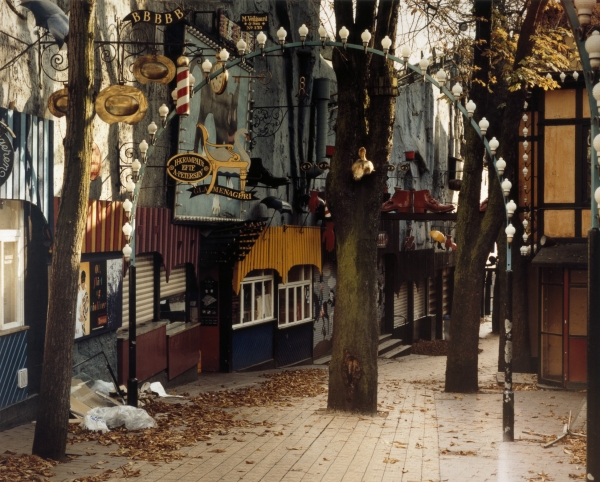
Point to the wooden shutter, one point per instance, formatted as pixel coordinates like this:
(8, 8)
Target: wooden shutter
(144, 290)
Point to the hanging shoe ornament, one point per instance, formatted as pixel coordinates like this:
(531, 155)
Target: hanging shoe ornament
(314, 201)
(362, 166)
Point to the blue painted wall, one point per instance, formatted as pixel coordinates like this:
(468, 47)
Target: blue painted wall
(13, 357)
(252, 345)
(294, 344)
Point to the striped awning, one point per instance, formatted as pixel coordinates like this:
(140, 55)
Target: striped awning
(280, 248)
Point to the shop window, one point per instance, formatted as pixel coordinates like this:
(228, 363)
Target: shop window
(256, 298)
(11, 267)
(295, 297)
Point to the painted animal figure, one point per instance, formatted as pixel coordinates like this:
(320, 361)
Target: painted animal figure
(362, 166)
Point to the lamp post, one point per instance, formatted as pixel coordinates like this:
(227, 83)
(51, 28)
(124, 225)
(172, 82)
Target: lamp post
(589, 54)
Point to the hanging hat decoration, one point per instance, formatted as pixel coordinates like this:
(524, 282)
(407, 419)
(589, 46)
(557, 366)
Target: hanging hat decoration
(58, 102)
(154, 68)
(121, 103)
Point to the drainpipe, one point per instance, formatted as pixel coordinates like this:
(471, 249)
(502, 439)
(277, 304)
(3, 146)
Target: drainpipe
(321, 96)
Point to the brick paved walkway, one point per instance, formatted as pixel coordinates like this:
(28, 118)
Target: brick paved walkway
(418, 436)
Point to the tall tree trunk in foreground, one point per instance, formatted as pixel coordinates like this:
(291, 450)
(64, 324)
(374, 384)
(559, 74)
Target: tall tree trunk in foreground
(477, 232)
(365, 118)
(53, 413)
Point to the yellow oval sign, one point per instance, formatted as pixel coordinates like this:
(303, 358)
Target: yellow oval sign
(188, 167)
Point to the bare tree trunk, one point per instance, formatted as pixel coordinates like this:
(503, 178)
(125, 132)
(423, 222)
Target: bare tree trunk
(365, 118)
(53, 413)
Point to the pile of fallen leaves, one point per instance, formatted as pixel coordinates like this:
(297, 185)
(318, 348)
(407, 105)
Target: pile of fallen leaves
(24, 467)
(431, 348)
(278, 389)
(184, 424)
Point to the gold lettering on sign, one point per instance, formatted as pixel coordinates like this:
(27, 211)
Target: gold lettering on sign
(168, 18)
(136, 17)
(157, 18)
(146, 16)
(178, 13)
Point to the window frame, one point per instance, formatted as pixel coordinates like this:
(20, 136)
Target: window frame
(14, 236)
(267, 275)
(306, 284)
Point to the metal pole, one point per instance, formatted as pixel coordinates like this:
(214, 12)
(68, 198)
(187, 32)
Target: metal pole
(132, 382)
(593, 334)
(508, 395)
(593, 358)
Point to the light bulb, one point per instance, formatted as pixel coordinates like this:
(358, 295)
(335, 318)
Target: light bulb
(523, 250)
(471, 106)
(511, 207)
(127, 206)
(525, 158)
(592, 45)
(261, 38)
(127, 229)
(506, 187)
(223, 55)
(130, 186)
(525, 144)
(525, 131)
(144, 149)
(163, 111)
(386, 43)
(174, 95)
(525, 224)
(500, 165)
(525, 172)
(510, 232)
(483, 125)
(494, 144)
(562, 77)
(575, 75)
(405, 52)
(440, 76)
(344, 32)
(281, 34)
(457, 90)
(322, 34)
(241, 46)
(303, 31)
(525, 117)
(366, 38)
(423, 64)
(127, 252)
(152, 127)
(206, 67)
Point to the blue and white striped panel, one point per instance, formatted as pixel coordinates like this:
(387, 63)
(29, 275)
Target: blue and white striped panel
(13, 357)
(32, 176)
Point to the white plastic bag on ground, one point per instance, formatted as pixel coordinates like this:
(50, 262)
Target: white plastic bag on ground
(133, 418)
(103, 387)
(94, 423)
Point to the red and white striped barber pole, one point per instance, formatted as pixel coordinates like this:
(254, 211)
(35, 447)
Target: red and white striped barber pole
(183, 86)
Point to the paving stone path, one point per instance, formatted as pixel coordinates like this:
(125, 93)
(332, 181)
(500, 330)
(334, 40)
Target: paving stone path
(420, 434)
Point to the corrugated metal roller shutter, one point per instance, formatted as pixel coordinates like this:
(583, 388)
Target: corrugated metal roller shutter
(144, 274)
(401, 306)
(176, 284)
(432, 306)
(419, 299)
(446, 292)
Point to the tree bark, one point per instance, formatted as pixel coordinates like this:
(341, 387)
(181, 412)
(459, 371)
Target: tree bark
(364, 120)
(53, 413)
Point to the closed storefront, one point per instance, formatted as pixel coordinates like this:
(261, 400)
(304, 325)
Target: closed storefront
(144, 291)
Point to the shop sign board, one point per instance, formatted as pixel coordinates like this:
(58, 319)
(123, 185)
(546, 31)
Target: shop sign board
(156, 18)
(254, 22)
(223, 191)
(189, 167)
(7, 155)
